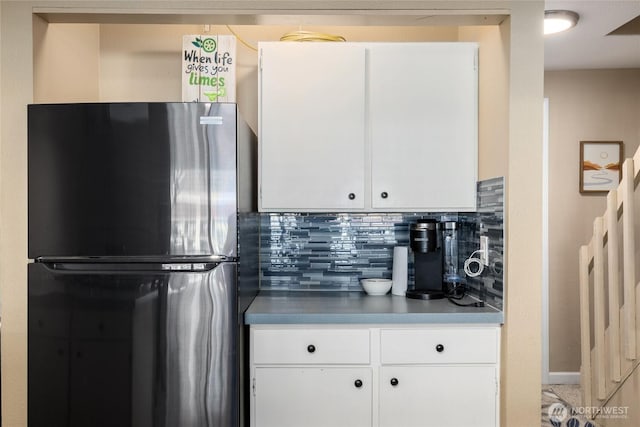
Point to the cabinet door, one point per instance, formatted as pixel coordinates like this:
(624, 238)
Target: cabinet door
(312, 126)
(439, 396)
(423, 121)
(312, 397)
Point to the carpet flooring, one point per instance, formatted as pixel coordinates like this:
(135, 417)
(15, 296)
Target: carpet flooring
(557, 402)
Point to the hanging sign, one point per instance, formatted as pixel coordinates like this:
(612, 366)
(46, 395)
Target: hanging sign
(208, 68)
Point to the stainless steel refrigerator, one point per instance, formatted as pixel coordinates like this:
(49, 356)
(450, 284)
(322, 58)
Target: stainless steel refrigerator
(143, 241)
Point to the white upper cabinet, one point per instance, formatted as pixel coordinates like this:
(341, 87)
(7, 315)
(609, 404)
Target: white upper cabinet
(423, 126)
(312, 126)
(368, 126)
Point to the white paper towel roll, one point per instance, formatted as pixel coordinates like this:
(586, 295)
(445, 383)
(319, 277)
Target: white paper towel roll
(399, 273)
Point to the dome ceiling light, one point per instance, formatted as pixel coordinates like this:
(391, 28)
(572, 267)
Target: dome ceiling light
(556, 21)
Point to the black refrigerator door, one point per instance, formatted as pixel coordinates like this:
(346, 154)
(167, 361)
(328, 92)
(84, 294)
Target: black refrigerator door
(132, 179)
(134, 347)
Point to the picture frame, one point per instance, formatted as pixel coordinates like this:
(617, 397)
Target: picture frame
(600, 166)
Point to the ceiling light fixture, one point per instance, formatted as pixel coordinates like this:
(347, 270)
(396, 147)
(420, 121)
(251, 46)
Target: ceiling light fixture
(556, 21)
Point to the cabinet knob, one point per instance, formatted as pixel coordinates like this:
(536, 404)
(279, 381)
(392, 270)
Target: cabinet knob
(439, 348)
(352, 196)
(384, 194)
(394, 382)
(311, 348)
(358, 383)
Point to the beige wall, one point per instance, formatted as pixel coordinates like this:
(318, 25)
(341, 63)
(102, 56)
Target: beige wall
(522, 39)
(125, 62)
(66, 62)
(493, 99)
(589, 105)
(142, 62)
(17, 91)
(521, 347)
(128, 49)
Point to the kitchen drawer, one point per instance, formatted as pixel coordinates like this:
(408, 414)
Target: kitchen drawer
(439, 345)
(309, 346)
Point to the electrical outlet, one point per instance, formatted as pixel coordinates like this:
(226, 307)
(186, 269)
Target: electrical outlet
(484, 248)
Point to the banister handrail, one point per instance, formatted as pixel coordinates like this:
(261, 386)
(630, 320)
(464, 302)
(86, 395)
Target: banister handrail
(606, 362)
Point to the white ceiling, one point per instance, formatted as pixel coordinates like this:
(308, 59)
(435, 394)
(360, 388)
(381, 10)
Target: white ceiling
(587, 45)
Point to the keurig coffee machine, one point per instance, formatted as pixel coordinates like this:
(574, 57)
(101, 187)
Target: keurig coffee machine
(425, 241)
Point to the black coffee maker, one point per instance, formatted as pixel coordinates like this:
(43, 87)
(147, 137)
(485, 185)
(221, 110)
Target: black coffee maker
(425, 242)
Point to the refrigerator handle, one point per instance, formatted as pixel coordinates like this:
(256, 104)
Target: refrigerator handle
(128, 268)
(179, 259)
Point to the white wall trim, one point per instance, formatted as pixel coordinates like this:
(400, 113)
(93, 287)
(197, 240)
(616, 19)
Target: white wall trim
(545, 244)
(564, 378)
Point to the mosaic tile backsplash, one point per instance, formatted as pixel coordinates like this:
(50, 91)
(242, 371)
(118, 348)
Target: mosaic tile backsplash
(489, 221)
(332, 252)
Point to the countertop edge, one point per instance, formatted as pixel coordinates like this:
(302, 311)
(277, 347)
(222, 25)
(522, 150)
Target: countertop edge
(357, 308)
(372, 318)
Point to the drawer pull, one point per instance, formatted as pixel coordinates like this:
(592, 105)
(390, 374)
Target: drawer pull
(358, 383)
(394, 381)
(439, 348)
(384, 194)
(311, 348)
(352, 196)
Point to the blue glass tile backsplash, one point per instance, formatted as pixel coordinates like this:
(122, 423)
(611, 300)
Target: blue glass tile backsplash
(308, 251)
(490, 222)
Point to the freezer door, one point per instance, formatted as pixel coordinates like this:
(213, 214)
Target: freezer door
(130, 346)
(132, 179)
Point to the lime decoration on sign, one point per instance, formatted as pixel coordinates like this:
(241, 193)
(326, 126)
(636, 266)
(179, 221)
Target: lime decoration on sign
(213, 96)
(208, 44)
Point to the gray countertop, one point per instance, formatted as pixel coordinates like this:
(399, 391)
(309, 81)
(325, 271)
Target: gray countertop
(294, 307)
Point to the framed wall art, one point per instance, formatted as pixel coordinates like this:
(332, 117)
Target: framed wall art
(600, 165)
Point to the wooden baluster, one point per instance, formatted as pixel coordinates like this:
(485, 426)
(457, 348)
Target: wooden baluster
(636, 162)
(611, 217)
(628, 258)
(599, 308)
(585, 334)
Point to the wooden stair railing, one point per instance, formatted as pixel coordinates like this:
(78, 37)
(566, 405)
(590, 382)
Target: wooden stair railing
(610, 352)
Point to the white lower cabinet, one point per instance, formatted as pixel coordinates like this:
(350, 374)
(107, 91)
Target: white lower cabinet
(375, 375)
(439, 395)
(313, 397)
